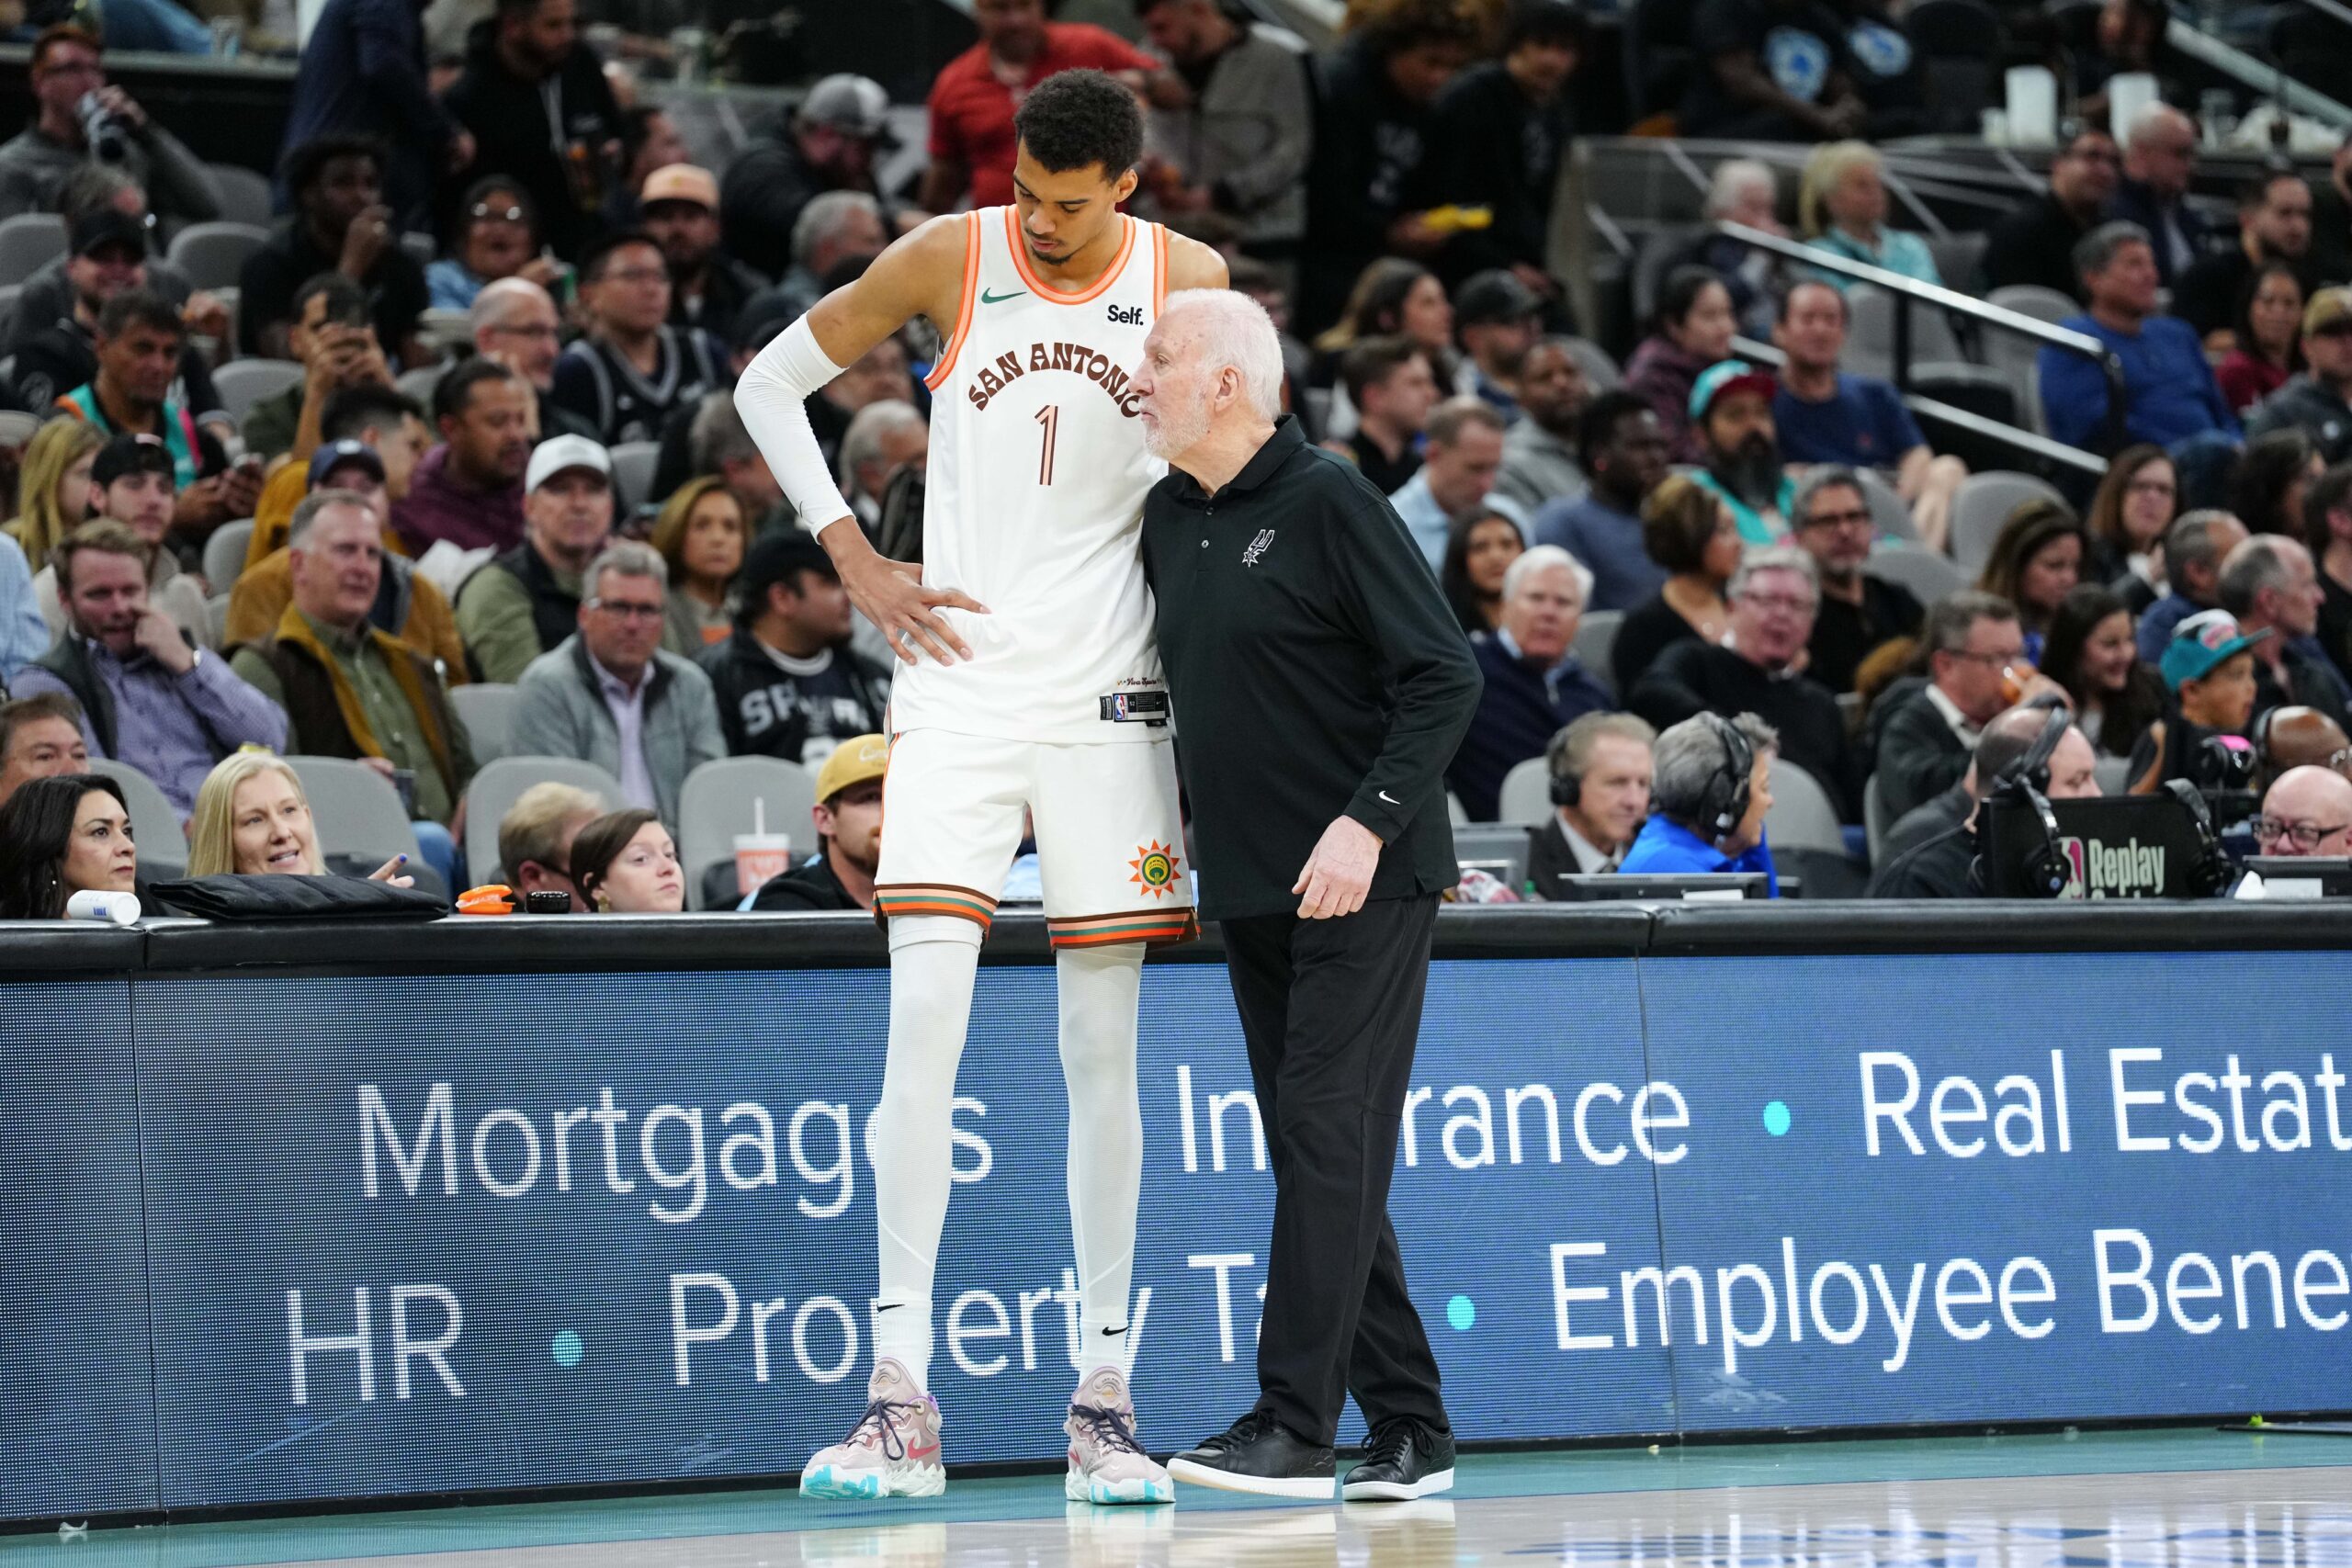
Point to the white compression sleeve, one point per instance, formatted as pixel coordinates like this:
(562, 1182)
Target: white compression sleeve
(933, 964)
(1099, 987)
(771, 396)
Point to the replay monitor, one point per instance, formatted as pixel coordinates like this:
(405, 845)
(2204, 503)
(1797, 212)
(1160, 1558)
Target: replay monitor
(2112, 846)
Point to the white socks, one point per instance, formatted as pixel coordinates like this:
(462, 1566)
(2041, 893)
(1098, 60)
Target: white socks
(933, 963)
(1099, 989)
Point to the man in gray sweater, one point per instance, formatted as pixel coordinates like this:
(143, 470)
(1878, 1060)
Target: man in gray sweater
(1237, 147)
(67, 67)
(609, 695)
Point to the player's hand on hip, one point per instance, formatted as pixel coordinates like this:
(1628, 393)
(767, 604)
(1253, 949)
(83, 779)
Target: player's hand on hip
(1339, 873)
(891, 595)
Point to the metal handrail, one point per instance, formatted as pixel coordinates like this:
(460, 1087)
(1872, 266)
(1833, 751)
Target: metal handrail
(1909, 291)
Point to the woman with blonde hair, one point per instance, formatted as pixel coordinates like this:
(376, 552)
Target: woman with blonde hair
(703, 536)
(1841, 209)
(252, 819)
(54, 487)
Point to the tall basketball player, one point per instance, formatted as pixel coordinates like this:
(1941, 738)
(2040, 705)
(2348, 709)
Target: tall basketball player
(1030, 679)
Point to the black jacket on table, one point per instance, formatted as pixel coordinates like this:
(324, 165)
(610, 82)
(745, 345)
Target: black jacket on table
(1693, 677)
(1315, 671)
(514, 135)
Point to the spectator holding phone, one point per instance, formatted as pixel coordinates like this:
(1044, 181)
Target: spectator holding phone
(337, 347)
(624, 864)
(253, 820)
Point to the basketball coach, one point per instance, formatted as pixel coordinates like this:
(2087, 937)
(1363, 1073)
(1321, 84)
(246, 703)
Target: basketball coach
(1320, 687)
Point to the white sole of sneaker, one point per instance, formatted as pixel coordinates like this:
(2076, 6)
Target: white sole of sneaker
(1394, 1491)
(1081, 1488)
(827, 1484)
(1311, 1487)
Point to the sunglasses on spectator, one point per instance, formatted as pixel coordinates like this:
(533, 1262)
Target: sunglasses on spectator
(505, 214)
(2304, 835)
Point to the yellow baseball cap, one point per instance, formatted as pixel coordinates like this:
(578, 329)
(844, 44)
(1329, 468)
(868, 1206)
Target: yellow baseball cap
(853, 761)
(2328, 307)
(681, 182)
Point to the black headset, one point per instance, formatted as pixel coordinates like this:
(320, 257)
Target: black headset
(2209, 863)
(2047, 869)
(1567, 788)
(1730, 786)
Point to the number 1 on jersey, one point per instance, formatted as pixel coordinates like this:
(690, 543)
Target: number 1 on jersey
(1049, 416)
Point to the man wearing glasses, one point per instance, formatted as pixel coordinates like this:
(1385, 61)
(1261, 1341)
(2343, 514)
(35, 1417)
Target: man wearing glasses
(1774, 596)
(1928, 730)
(609, 695)
(66, 65)
(2307, 815)
(1858, 611)
(2317, 401)
(514, 323)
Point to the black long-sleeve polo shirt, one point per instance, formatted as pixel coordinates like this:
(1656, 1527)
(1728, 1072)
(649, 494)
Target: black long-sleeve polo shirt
(1314, 670)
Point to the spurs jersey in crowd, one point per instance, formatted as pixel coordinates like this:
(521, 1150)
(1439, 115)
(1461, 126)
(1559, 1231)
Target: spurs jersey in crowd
(1034, 500)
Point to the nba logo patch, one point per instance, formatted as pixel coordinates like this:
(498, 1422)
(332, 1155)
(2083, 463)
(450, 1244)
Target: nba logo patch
(1155, 869)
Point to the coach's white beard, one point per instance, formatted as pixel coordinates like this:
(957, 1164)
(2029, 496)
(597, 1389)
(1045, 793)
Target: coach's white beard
(1178, 427)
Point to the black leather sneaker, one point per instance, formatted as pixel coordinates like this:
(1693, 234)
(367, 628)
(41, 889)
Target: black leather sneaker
(1259, 1454)
(1403, 1460)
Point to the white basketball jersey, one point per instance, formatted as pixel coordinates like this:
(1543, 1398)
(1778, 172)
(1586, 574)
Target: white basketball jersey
(1034, 500)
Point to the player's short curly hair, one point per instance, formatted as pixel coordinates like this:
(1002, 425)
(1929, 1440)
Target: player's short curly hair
(1074, 119)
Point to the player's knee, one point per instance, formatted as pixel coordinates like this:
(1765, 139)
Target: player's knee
(909, 930)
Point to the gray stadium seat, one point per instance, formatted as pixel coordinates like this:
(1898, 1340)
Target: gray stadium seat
(155, 826)
(29, 241)
(717, 804)
(1453, 812)
(487, 710)
(1595, 635)
(244, 195)
(1870, 333)
(419, 384)
(633, 464)
(224, 553)
(356, 811)
(242, 383)
(1982, 504)
(500, 784)
(213, 255)
(17, 427)
(444, 329)
(2016, 355)
(1888, 514)
(216, 620)
(2113, 774)
(1601, 371)
(1928, 575)
(1526, 792)
(1802, 817)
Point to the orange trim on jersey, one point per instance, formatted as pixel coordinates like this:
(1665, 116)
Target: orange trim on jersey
(1158, 268)
(964, 313)
(1153, 928)
(1053, 296)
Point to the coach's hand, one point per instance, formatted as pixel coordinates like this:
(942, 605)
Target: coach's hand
(1339, 873)
(890, 593)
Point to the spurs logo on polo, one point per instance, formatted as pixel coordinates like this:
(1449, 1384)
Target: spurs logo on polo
(1257, 546)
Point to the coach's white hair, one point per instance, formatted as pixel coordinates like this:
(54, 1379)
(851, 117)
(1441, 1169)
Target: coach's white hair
(1544, 558)
(1230, 328)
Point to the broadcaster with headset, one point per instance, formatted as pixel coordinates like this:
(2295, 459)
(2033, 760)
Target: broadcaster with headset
(1711, 784)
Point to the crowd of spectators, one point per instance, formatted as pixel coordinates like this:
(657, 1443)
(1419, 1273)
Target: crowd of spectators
(511, 457)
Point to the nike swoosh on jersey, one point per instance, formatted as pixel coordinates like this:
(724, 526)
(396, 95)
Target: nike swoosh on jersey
(1388, 797)
(989, 298)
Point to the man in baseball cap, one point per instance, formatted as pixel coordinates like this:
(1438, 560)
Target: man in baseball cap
(528, 600)
(707, 287)
(828, 143)
(848, 818)
(1496, 319)
(2209, 668)
(106, 255)
(1731, 408)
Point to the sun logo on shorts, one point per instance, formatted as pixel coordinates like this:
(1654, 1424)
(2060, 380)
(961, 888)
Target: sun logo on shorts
(1155, 869)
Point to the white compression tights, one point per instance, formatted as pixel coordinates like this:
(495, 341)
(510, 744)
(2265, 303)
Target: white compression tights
(934, 962)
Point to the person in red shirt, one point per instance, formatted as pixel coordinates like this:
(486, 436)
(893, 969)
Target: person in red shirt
(972, 101)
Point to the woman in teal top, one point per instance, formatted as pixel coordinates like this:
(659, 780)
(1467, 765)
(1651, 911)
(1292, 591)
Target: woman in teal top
(1841, 209)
